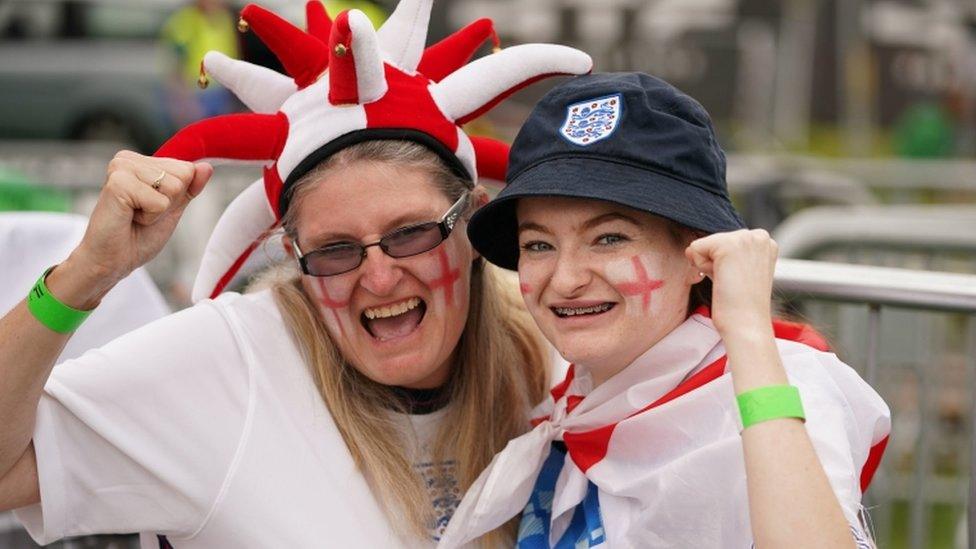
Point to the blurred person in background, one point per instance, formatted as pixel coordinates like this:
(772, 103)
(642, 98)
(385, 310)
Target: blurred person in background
(926, 129)
(353, 401)
(204, 25)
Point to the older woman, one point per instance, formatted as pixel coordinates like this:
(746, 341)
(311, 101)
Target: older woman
(351, 403)
(689, 418)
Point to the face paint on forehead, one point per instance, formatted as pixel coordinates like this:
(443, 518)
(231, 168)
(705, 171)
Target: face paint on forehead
(333, 301)
(441, 273)
(630, 277)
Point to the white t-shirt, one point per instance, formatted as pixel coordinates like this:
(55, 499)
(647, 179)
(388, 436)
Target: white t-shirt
(206, 427)
(439, 477)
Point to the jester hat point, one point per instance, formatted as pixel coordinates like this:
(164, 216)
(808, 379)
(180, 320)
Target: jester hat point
(349, 83)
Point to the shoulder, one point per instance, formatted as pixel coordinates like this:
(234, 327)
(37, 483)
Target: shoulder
(847, 421)
(835, 395)
(807, 365)
(185, 14)
(258, 305)
(234, 309)
(825, 372)
(211, 318)
(248, 322)
(213, 338)
(179, 23)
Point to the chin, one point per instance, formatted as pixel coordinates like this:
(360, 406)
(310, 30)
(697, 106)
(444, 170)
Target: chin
(588, 354)
(412, 372)
(598, 352)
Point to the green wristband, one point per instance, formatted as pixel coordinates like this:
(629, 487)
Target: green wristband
(52, 313)
(772, 402)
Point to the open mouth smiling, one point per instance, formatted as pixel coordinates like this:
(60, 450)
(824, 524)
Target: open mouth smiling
(394, 320)
(590, 310)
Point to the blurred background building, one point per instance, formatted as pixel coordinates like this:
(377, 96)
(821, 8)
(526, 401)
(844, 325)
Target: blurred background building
(850, 127)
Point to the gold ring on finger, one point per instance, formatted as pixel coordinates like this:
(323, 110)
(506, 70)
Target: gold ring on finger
(158, 181)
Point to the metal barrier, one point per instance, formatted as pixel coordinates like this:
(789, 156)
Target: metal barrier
(881, 287)
(941, 229)
(878, 173)
(930, 339)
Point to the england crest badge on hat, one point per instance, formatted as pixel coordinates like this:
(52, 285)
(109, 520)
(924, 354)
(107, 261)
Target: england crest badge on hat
(592, 120)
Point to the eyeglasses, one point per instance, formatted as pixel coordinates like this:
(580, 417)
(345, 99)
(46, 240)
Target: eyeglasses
(342, 257)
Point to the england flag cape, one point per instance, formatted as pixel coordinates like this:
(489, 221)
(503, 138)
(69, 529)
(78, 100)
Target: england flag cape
(661, 443)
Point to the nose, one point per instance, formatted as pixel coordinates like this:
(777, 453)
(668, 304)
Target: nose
(571, 274)
(380, 272)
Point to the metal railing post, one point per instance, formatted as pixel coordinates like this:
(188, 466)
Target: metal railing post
(874, 338)
(879, 287)
(918, 510)
(971, 504)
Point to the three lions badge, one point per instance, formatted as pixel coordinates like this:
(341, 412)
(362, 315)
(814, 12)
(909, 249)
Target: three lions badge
(593, 120)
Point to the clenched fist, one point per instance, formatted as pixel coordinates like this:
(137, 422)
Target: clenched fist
(741, 265)
(137, 211)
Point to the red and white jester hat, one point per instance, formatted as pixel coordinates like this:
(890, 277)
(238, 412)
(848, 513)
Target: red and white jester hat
(350, 83)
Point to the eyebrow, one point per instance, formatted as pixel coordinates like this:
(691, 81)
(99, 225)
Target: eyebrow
(608, 217)
(403, 220)
(408, 219)
(598, 220)
(529, 226)
(327, 239)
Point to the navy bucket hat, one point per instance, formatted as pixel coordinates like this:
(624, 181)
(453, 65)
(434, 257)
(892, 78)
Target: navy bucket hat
(627, 138)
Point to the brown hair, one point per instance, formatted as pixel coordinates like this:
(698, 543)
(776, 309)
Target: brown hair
(500, 370)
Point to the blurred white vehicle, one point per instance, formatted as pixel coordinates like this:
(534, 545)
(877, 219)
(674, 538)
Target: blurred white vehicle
(88, 69)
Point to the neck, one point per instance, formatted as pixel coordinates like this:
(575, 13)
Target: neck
(421, 401)
(599, 374)
(602, 369)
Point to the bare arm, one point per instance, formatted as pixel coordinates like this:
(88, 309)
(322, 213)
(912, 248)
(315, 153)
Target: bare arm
(791, 502)
(28, 350)
(130, 224)
(19, 487)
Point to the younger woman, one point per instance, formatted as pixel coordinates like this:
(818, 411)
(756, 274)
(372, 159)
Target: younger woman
(688, 419)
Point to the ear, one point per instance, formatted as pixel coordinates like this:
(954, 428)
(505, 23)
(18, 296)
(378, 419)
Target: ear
(692, 275)
(684, 237)
(289, 249)
(480, 196)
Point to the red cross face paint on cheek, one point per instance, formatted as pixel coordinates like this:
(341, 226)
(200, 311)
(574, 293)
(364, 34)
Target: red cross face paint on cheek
(332, 297)
(525, 288)
(632, 279)
(441, 273)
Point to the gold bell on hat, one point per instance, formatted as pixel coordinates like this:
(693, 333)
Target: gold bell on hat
(341, 50)
(203, 81)
(242, 25)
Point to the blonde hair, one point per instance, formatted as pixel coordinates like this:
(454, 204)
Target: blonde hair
(500, 370)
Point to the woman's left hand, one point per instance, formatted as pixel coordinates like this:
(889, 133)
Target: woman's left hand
(741, 266)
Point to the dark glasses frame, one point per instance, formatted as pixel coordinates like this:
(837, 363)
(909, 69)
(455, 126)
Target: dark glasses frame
(445, 225)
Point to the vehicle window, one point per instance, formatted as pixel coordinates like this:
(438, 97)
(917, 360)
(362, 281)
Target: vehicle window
(29, 20)
(47, 20)
(114, 21)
